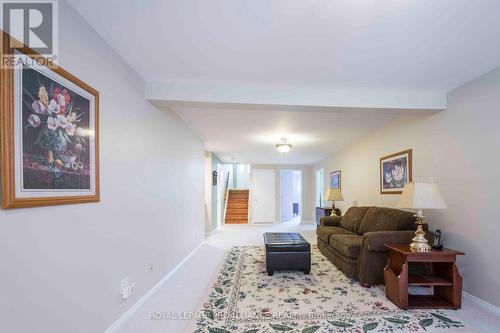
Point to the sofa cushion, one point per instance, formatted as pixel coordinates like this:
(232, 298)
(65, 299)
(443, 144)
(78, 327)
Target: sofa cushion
(330, 221)
(324, 233)
(386, 219)
(347, 245)
(353, 217)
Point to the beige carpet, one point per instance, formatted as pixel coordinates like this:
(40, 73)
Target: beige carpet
(244, 298)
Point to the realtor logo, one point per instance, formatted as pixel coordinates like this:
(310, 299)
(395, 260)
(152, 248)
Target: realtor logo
(31, 24)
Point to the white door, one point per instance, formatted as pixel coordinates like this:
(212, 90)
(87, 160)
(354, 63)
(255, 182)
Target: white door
(263, 193)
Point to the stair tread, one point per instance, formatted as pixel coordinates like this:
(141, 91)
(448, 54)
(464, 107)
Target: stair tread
(237, 207)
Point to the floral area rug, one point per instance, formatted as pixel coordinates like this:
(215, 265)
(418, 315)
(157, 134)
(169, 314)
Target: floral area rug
(245, 299)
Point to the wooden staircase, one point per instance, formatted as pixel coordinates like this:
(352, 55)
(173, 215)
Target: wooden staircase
(237, 207)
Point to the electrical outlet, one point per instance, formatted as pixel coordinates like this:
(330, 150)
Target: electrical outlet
(125, 287)
(131, 288)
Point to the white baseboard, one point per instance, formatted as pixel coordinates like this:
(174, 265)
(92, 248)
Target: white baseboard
(264, 223)
(482, 304)
(148, 295)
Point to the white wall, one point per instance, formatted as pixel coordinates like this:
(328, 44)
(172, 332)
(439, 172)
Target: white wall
(60, 267)
(242, 176)
(459, 148)
(208, 192)
(307, 188)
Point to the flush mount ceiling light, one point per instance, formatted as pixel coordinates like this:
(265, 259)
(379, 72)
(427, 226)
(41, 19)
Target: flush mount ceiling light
(283, 146)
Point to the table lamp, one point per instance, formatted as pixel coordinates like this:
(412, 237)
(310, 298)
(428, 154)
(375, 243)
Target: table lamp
(419, 196)
(333, 195)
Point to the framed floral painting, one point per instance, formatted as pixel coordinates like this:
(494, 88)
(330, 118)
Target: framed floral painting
(336, 179)
(395, 172)
(50, 137)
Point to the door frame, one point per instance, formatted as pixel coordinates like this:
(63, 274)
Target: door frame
(316, 183)
(219, 199)
(322, 181)
(300, 196)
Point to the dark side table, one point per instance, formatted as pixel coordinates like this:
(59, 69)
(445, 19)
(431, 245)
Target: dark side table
(324, 211)
(436, 269)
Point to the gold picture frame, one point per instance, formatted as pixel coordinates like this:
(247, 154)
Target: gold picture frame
(11, 151)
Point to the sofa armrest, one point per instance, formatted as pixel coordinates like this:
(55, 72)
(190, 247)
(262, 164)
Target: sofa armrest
(330, 221)
(374, 241)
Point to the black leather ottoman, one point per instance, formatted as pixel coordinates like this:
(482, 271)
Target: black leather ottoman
(287, 251)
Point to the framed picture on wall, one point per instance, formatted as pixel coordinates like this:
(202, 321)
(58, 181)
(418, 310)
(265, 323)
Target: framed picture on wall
(336, 179)
(50, 136)
(395, 172)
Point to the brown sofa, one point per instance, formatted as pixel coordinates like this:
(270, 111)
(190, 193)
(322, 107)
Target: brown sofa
(355, 242)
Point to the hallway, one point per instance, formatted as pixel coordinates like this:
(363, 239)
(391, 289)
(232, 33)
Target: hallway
(185, 289)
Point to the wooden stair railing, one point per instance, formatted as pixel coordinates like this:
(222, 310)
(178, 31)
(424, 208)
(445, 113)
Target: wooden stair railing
(226, 196)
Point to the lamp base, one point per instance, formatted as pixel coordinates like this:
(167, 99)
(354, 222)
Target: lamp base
(419, 242)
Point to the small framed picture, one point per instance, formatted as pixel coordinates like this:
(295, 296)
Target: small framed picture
(395, 172)
(336, 179)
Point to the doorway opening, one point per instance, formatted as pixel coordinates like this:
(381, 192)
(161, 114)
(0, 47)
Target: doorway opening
(290, 195)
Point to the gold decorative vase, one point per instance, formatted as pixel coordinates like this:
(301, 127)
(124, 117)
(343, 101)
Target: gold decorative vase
(419, 242)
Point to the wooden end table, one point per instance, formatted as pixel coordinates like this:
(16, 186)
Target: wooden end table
(435, 269)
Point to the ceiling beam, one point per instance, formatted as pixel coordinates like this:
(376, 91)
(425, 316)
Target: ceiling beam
(296, 98)
(290, 108)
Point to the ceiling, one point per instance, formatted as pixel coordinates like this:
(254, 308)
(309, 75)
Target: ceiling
(396, 43)
(250, 135)
(280, 63)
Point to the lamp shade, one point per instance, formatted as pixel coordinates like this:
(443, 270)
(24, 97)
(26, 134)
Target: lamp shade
(333, 195)
(421, 196)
